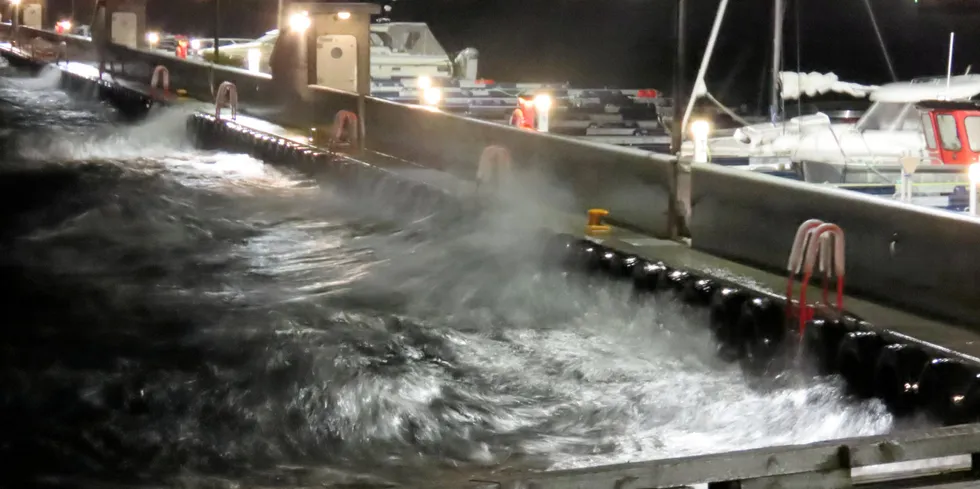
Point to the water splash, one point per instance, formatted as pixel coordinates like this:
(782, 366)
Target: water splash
(180, 312)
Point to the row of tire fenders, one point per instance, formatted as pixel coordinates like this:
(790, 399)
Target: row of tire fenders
(765, 333)
(770, 333)
(213, 131)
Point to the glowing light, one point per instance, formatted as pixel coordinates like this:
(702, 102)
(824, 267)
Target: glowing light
(424, 82)
(432, 96)
(153, 38)
(300, 22)
(542, 102)
(974, 173)
(15, 2)
(700, 129)
(195, 44)
(254, 57)
(343, 15)
(65, 25)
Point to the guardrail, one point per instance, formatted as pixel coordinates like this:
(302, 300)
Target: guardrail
(823, 465)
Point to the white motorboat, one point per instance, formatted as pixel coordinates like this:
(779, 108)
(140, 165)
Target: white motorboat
(398, 50)
(869, 152)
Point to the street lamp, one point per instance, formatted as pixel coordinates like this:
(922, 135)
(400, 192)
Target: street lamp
(431, 96)
(700, 129)
(974, 175)
(299, 22)
(542, 110)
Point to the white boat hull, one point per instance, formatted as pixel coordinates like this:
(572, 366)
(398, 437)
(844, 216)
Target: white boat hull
(929, 179)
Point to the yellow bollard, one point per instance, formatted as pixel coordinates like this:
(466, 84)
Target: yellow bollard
(594, 225)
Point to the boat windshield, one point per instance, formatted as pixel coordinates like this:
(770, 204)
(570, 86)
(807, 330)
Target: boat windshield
(380, 40)
(929, 130)
(412, 38)
(890, 116)
(972, 125)
(949, 137)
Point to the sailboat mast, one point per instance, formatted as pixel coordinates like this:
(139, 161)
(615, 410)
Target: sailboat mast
(777, 59)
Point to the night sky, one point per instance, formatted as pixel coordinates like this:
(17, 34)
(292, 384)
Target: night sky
(629, 42)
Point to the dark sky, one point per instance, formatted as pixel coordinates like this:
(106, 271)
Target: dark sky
(629, 42)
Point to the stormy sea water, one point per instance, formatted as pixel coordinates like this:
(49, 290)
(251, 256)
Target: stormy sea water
(179, 317)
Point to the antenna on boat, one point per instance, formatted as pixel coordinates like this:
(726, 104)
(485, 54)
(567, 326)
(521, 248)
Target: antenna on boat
(949, 63)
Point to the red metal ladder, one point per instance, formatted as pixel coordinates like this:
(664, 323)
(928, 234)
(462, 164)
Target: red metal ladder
(816, 243)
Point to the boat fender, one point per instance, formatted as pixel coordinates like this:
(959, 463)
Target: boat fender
(192, 126)
(726, 309)
(278, 150)
(320, 161)
(559, 249)
(649, 276)
(589, 255)
(762, 323)
(616, 264)
(698, 291)
(271, 147)
(293, 153)
(857, 356)
(678, 279)
(821, 341)
(895, 374)
(246, 140)
(255, 142)
(260, 147)
(948, 390)
(306, 158)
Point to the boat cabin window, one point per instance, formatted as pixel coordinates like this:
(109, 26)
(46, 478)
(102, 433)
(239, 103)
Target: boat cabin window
(890, 116)
(929, 130)
(380, 40)
(948, 135)
(972, 125)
